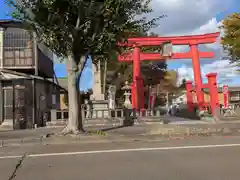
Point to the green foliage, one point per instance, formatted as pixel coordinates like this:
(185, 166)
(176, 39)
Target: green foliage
(231, 37)
(152, 71)
(80, 27)
(183, 84)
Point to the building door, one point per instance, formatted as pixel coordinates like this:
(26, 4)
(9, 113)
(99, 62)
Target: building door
(8, 104)
(20, 121)
(16, 111)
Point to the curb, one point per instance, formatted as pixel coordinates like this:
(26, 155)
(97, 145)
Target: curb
(109, 124)
(188, 130)
(162, 131)
(86, 125)
(100, 138)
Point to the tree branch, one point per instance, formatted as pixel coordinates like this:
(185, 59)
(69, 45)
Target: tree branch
(81, 69)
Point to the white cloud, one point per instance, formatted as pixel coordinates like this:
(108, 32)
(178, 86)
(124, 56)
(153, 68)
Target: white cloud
(211, 26)
(184, 16)
(188, 17)
(225, 71)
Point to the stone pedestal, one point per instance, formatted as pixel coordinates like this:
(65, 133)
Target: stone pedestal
(99, 106)
(100, 109)
(7, 124)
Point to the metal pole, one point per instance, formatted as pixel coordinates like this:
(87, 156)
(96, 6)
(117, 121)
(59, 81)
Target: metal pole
(167, 104)
(104, 77)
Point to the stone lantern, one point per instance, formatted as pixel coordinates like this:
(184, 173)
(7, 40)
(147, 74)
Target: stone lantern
(127, 93)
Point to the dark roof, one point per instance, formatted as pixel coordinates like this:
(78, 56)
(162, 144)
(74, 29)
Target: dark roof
(63, 82)
(19, 75)
(11, 23)
(234, 88)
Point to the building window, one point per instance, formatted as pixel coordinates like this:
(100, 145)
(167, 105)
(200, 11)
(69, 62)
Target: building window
(235, 96)
(17, 47)
(17, 38)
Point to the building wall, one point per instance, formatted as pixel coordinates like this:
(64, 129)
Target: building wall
(19, 100)
(20, 51)
(47, 97)
(45, 65)
(207, 98)
(17, 48)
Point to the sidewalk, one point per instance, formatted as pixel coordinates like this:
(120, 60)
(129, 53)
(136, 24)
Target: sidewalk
(139, 132)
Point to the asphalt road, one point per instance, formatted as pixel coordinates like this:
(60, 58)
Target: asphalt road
(209, 159)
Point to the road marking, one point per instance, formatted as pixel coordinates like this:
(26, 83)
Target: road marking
(10, 157)
(121, 150)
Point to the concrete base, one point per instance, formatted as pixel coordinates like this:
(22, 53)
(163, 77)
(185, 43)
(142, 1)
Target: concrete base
(56, 123)
(100, 109)
(7, 124)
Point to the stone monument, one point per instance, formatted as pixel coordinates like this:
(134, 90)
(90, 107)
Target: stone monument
(99, 104)
(97, 90)
(111, 96)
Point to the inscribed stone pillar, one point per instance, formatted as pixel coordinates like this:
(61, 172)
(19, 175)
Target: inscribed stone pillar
(97, 90)
(111, 96)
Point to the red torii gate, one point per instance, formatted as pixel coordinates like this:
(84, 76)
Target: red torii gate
(213, 93)
(137, 56)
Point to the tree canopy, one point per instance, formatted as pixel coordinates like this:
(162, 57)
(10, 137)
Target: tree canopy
(231, 36)
(76, 28)
(183, 84)
(84, 26)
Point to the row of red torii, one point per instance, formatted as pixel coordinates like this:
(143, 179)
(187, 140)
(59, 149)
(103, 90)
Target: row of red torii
(193, 41)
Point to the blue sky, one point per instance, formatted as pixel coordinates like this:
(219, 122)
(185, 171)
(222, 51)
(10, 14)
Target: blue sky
(199, 17)
(86, 81)
(4, 11)
(206, 20)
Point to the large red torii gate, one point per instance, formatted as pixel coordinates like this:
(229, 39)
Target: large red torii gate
(137, 56)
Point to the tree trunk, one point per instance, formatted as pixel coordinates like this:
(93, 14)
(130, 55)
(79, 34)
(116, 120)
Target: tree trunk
(74, 125)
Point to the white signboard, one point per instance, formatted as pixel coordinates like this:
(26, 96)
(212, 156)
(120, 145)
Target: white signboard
(225, 89)
(54, 99)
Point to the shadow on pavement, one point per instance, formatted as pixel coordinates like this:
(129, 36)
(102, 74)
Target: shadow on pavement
(115, 127)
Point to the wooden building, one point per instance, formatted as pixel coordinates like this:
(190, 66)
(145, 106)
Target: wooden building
(234, 95)
(63, 83)
(27, 88)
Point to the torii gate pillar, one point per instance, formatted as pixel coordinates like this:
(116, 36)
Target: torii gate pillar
(136, 73)
(213, 90)
(197, 75)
